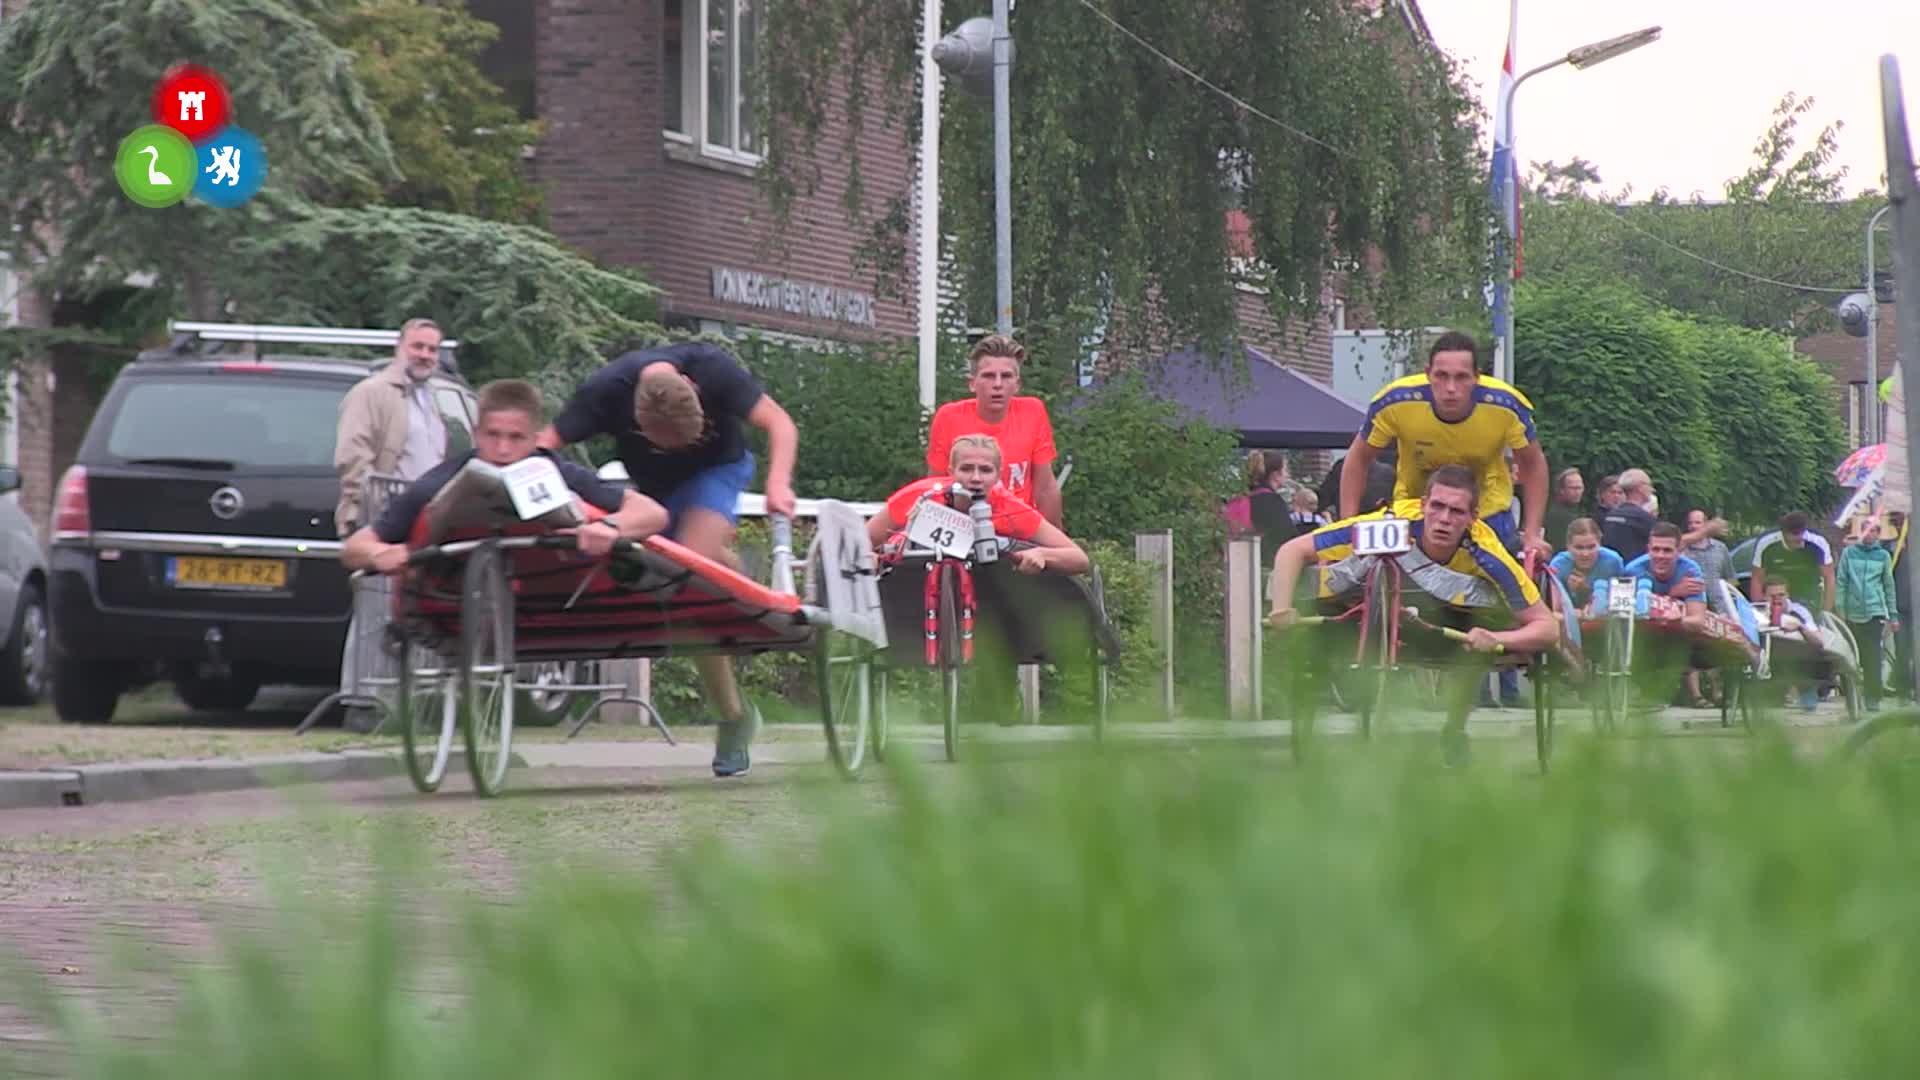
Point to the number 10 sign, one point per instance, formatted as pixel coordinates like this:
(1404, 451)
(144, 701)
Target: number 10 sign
(1382, 536)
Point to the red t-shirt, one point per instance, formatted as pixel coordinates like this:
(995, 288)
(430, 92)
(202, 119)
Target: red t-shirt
(1013, 517)
(1025, 437)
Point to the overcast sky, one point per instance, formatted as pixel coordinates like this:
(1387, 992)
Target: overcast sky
(1684, 112)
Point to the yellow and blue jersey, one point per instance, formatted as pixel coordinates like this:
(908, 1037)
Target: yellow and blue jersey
(1501, 420)
(1480, 555)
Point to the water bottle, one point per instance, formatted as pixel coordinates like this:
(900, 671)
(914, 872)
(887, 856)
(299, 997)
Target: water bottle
(1642, 596)
(985, 548)
(1602, 588)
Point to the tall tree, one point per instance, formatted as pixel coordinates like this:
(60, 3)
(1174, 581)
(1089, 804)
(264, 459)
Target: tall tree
(1776, 252)
(1350, 142)
(75, 79)
(456, 142)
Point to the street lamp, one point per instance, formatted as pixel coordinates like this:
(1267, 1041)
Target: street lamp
(1582, 58)
(1874, 434)
(979, 56)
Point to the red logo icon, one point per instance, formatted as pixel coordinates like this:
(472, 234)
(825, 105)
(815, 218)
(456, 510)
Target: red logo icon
(193, 101)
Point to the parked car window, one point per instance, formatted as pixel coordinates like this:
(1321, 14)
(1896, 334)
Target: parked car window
(453, 408)
(261, 424)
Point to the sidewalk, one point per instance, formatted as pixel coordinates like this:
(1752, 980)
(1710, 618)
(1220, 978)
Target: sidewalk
(84, 783)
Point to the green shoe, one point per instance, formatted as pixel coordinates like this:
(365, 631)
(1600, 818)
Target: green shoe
(731, 741)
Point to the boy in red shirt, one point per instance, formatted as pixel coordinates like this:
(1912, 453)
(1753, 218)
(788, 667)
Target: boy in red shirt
(1019, 425)
(975, 463)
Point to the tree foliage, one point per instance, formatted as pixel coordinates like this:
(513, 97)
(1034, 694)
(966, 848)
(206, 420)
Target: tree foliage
(1784, 218)
(1124, 170)
(1723, 416)
(519, 301)
(75, 79)
(457, 144)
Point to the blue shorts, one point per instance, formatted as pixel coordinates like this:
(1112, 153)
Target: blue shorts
(716, 488)
(1507, 528)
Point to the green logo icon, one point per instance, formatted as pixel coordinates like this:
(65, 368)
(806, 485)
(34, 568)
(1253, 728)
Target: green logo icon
(156, 166)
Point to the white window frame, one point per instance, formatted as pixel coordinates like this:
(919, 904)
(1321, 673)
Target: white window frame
(694, 16)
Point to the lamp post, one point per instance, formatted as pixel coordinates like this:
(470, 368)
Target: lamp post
(1584, 57)
(1874, 426)
(979, 56)
(1904, 195)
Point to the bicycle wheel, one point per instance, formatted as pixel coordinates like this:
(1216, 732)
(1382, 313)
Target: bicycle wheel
(1617, 692)
(427, 708)
(842, 672)
(486, 668)
(951, 659)
(1378, 628)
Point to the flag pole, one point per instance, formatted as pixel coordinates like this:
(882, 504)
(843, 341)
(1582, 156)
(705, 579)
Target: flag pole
(1505, 199)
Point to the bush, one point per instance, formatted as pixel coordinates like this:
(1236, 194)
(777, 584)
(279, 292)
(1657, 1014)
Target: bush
(1666, 911)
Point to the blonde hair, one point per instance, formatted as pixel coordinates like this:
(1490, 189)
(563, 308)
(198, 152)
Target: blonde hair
(1585, 526)
(667, 405)
(973, 442)
(996, 345)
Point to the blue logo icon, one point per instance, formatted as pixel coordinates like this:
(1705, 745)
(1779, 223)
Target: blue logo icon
(233, 165)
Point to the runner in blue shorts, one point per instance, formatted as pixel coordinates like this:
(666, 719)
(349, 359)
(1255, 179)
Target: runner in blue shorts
(677, 414)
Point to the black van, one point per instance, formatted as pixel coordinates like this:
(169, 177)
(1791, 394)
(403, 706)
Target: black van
(193, 538)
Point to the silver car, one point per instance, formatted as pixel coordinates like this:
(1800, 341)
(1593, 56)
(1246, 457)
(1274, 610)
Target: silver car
(23, 599)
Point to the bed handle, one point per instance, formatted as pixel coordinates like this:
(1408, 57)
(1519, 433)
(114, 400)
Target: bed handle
(782, 553)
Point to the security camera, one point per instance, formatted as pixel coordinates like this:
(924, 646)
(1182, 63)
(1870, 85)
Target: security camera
(1854, 313)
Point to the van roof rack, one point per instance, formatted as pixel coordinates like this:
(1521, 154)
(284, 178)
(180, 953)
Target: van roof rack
(303, 335)
(189, 335)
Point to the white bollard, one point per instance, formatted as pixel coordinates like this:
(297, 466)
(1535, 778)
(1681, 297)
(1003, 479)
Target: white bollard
(1156, 549)
(1243, 627)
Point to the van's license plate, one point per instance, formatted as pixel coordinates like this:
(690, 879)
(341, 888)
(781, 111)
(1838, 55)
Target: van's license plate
(190, 572)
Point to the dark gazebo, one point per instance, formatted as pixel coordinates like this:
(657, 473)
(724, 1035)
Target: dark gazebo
(1271, 407)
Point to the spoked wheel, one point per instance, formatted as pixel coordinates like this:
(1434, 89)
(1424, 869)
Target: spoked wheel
(426, 705)
(877, 733)
(951, 658)
(486, 668)
(843, 674)
(1541, 675)
(1616, 694)
(1885, 726)
(1378, 628)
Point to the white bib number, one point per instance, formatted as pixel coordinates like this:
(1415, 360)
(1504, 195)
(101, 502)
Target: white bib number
(1382, 536)
(942, 529)
(536, 487)
(1622, 597)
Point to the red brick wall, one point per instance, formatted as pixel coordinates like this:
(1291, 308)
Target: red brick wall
(617, 190)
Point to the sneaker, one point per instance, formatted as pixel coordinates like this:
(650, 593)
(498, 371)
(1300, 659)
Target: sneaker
(731, 740)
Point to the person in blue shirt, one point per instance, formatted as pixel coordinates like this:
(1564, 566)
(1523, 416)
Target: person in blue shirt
(1672, 574)
(1585, 561)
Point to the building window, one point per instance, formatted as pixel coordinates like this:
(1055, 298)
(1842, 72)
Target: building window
(508, 59)
(709, 59)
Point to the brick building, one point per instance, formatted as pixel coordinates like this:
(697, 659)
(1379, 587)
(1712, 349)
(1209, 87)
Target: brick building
(1845, 358)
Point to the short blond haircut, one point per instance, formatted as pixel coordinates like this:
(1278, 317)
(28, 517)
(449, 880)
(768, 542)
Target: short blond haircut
(996, 345)
(974, 442)
(667, 405)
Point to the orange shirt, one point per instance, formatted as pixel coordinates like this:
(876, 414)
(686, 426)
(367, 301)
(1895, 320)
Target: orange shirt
(1025, 437)
(1013, 517)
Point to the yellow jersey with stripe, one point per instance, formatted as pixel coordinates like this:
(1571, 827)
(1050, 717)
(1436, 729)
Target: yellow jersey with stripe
(1501, 420)
(1480, 555)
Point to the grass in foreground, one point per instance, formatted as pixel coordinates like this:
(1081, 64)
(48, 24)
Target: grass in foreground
(1638, 913)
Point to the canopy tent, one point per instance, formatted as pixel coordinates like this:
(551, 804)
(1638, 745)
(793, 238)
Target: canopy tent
(1271, 407)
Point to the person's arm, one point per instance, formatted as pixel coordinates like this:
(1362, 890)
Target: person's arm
(1757, 584)
(1046, 495)
(638, 517)
(1054, 552)
(1288, 562)
(880, 526)
(1538, 631)
(364, 550)
(352, 454)
(549, 439)
(1826, 574)
(1353, 475)
(1531, 463)
(783, 443)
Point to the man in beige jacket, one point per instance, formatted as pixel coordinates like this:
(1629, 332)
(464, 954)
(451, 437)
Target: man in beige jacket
(389, 423)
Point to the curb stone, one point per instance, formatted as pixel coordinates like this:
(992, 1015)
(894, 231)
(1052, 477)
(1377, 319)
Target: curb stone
(131, 781)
